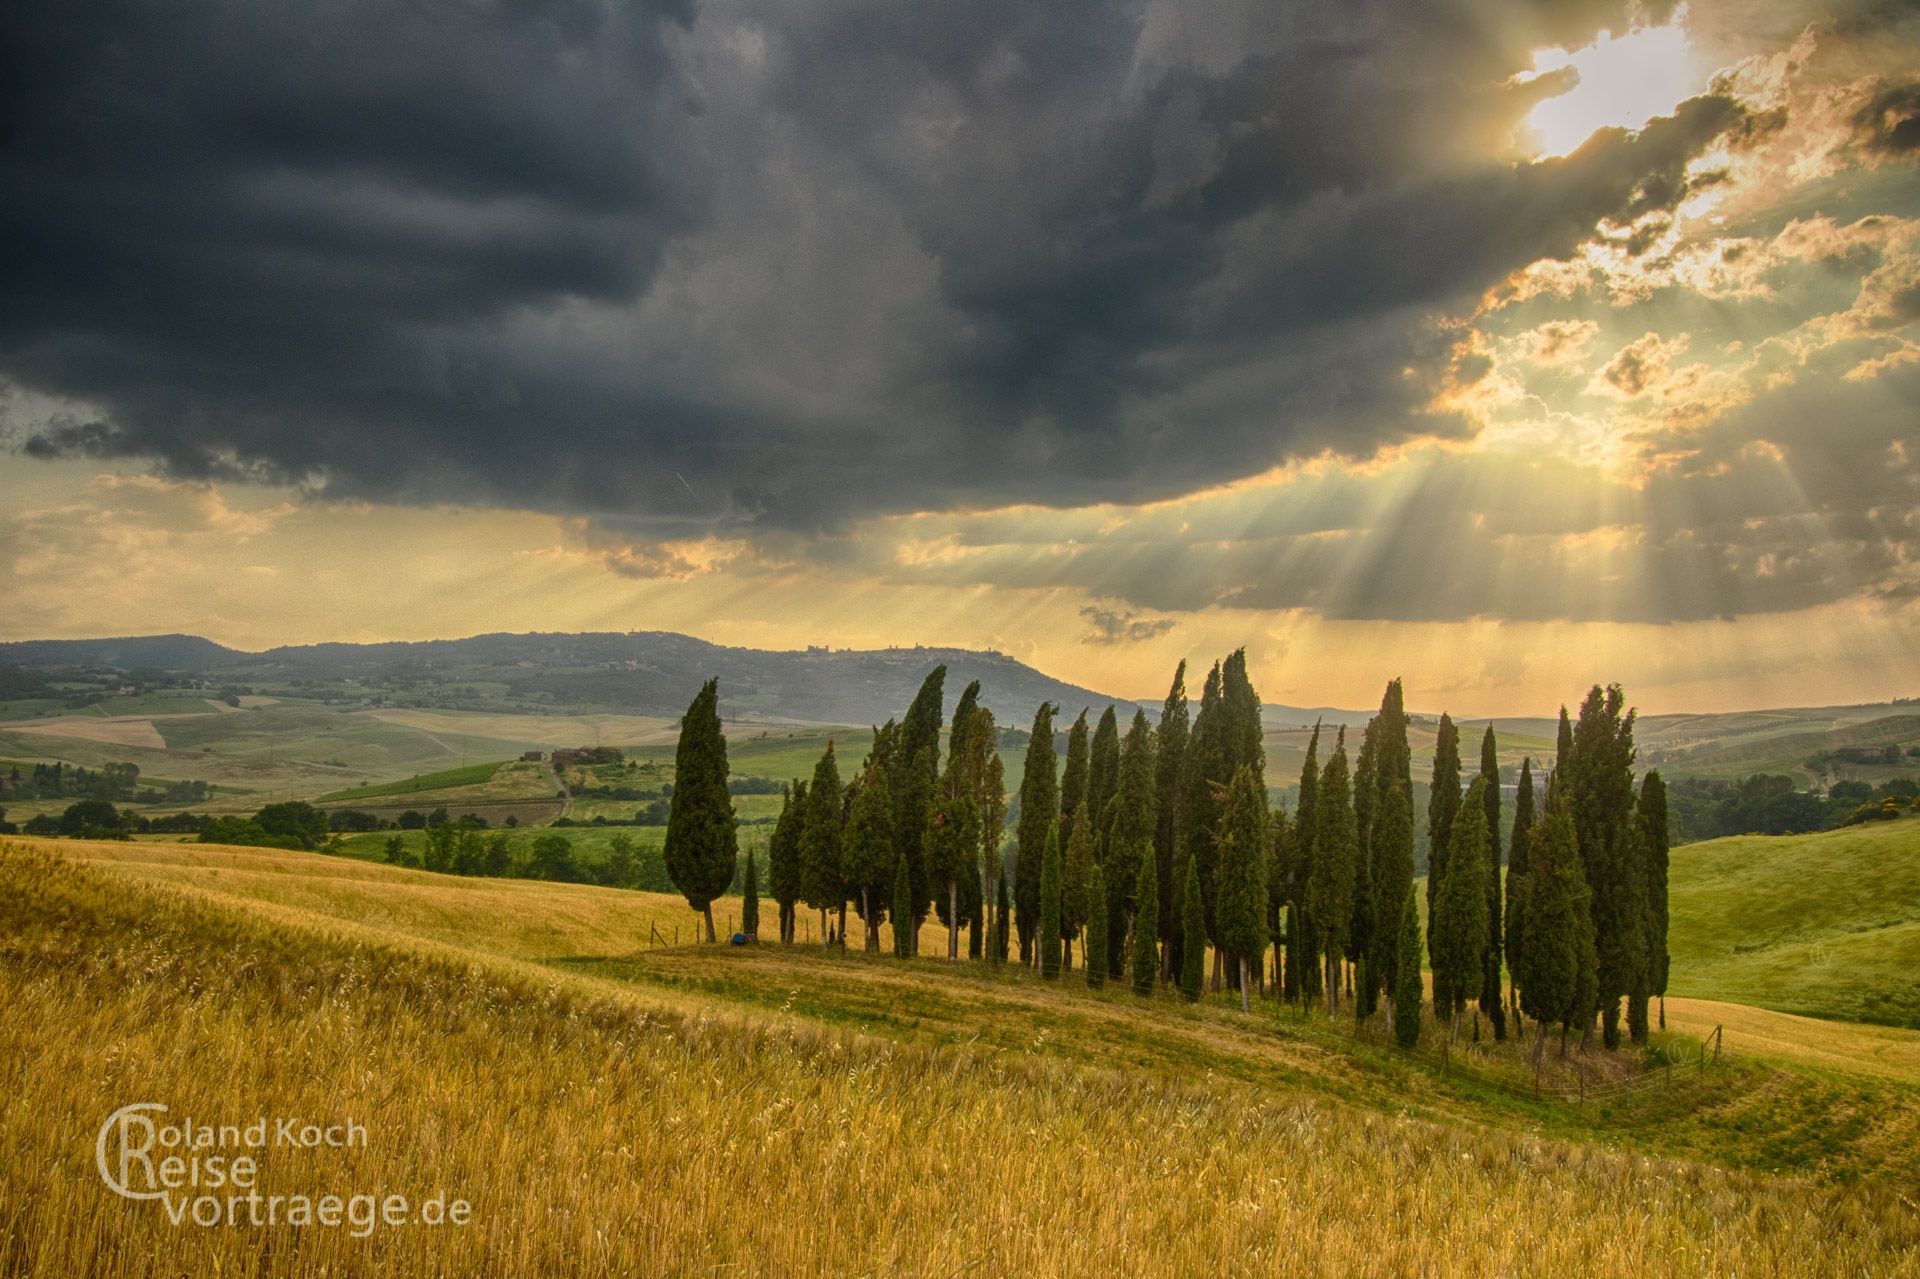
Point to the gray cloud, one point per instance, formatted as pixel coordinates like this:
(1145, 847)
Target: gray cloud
(1105, 626)
(746, 265)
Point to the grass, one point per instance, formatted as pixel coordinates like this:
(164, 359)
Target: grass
(604, 1127)
(1824, 925)
(447, 779)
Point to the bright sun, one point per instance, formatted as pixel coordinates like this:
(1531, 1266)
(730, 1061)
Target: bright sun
(1624, 80)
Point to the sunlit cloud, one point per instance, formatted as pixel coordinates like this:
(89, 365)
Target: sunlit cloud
(1619, 81)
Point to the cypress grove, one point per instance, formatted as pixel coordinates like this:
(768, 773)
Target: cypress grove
(702, 846)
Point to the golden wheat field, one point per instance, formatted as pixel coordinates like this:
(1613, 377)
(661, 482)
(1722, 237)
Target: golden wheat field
(602, 1126)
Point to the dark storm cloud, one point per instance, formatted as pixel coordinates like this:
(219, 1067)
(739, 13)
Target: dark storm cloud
(771, 265)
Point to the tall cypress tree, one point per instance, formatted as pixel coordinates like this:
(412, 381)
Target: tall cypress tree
(750, 899)
(960, 730)
(1406, 981)
(783, 856)
(869, 853)
(1393, 862)
(702, 848)
(1492, 996)
(1169, 757)
(1442, 807)
(1240, 706)
(1050, 905)
(1203, 788)
(1599, 782)
(1563, 741)
(1241, 914)
(1331, 878)
(915, 768)
(1096, 926)
(1193, 923)
(1651, 812)
(1303, 952)
(1279, 881)
(1554, 974)
(1459, 924)
(1103, 774)
(1073, 780)
(1517, 864)
(1146, 921)
(1360, 929)
(1039, 800)
(822, 877)
(1002, 909)
(952, 845)
(1128, 830)
(1076, 891)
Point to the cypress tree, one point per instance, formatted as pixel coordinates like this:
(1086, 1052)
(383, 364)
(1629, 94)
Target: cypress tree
(1598, 778)
(1563, 742)
(1203, 787)
(702, 847)
(960, 731)
(1459, 925)
(822, 882)
(1330, 879)
(1406, 983)
(1193, 923)
(869, 853)
(1039, 800)
(1442, 806)
(783, 856)
(1073, 781)
(1241, 913)
(1169, 757)
(1517, 864)
(951, 853)
(1492, 996)
(1050, 906)
(1393, 860)
(1129, 830)
(904, 932)
(1555, 940)
(1651, 812)
(1279, 880)
(1146, 926)
(1103, 773)
(1360, 929)
(1240, 706)
(750, 900)
(1096, 947)
(1303, 954)
(915, 767)
(1076, 893)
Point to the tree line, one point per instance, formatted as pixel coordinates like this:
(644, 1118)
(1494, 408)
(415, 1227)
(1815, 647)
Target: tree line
(1156, 852)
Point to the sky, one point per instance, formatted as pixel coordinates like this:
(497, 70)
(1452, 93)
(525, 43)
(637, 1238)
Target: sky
(1503, 347)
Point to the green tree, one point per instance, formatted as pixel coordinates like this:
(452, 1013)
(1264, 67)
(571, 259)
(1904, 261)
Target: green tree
(1073, 781)
(1406, 980)
(294, 819)
(750, 899)
(1598, 780)
(1169, 756)
(1039, 801)
(952, 855)
(1331, 877)
(1241, 912)
(1651, 812)
(1050, 905)
(553, 860)
(1129, 826)
(1492, 993)
(1460, 909)
(869, 851)
(905, 940)
(1193, 924)
(1204, 789)
(1555, 973)
(1393, 866)
(702, 846)
(623, 863)
(783, 856)
(1002, 908)
(1442, 807)
(1240, 711)
(914, 762)
(1518, 847)
(1076, 892)
(1103, 772)
(1146, 921)
(1303, 951)
(823, 884)
(1096, 925)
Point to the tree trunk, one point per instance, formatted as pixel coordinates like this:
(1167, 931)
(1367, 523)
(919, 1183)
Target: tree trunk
(872, 946)
(824, 935)
(953, 921)
(843, 926)
(706, 913)
(1539, 1048)
(1219, 971)
(1246, 980)
(1663, 1012)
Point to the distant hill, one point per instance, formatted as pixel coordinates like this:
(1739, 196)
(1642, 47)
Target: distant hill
(642, 672)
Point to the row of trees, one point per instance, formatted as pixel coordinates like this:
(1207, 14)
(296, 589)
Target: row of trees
(1156, 852)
